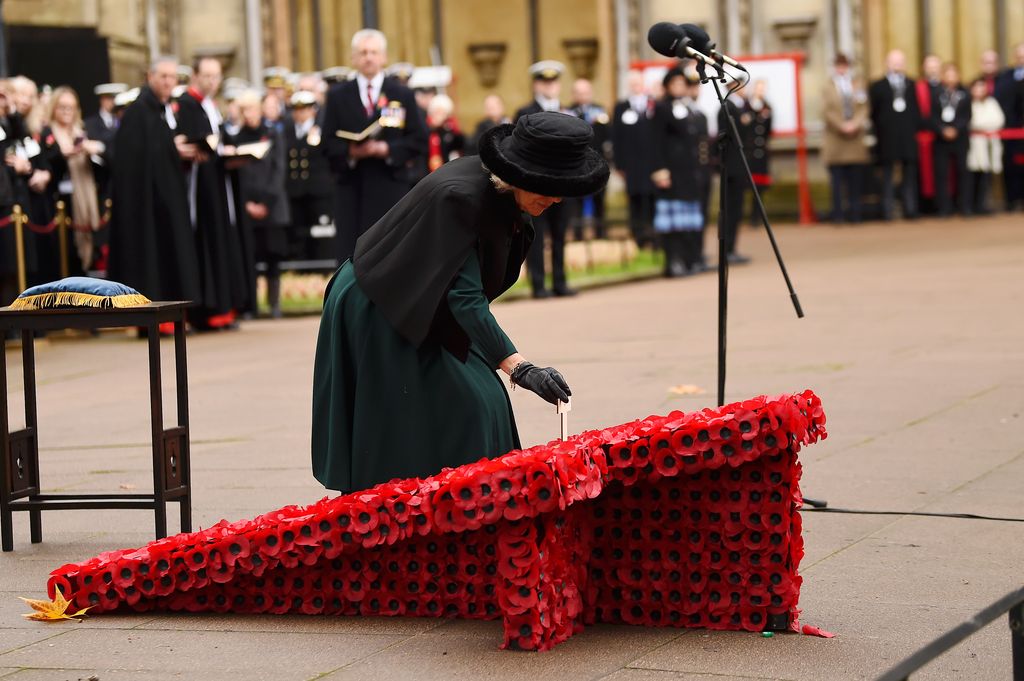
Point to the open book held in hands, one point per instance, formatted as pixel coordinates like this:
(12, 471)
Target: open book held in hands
(209, 143)
(254, 150)
(370, 131)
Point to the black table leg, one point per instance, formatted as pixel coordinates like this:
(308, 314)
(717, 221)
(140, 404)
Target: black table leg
(6, 514)
(181, 385)
(157, 418)
(28, 362)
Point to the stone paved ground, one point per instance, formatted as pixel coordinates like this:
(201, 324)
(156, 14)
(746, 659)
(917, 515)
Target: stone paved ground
(913, 338)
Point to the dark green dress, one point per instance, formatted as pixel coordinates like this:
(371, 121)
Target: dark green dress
(384, 409)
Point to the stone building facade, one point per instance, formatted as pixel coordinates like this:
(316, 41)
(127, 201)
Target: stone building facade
(489, 44)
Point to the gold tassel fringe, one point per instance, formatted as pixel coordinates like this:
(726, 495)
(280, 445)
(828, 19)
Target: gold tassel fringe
(72, 299)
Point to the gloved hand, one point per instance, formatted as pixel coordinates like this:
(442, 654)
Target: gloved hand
(547, 383)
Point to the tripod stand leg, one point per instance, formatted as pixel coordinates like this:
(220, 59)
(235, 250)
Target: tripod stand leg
(723, 270)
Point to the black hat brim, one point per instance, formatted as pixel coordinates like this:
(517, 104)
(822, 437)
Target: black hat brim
(589, 177)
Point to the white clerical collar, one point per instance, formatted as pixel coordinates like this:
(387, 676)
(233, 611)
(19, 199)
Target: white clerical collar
(172, 122)
(212, 112)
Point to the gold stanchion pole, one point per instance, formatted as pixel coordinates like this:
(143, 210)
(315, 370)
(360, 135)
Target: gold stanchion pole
(20, 219)
(62, 221)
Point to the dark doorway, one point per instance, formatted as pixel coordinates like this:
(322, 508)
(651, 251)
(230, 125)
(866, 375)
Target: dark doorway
(60, 56)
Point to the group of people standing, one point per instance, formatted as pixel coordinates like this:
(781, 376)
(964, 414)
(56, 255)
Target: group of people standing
(50, 155)
(944, 138)
(663, 150)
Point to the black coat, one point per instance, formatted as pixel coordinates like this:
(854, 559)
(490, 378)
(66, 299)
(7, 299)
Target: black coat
(262, 180)
(96, 129)
(960, 103)
(759, 154)
(218, 245)
(1009, 92)
(13, 189)
(633, 146)
(309, 174)
(378, 183)
(407, 261)
(744, 116)
(895, 131)
(151, 243)
(599, 121)
(677, 132)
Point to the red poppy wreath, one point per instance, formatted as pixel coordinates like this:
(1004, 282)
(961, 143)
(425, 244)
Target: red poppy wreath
(684, 520)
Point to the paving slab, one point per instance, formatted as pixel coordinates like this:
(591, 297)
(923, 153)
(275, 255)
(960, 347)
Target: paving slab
(408, 626)
(68, 674)
(206, 654)
(633, 674)
(599, 650)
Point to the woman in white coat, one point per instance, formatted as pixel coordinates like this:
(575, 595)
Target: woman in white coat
(985, 154)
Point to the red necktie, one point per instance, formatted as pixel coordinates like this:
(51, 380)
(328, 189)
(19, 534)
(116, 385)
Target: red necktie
(370, 108)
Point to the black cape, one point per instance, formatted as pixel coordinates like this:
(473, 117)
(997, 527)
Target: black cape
(152, 248)
(406, 262)
(218, 247)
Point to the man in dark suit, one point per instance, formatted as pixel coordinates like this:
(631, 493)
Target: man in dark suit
(1009, 92)
(547, 89)
(632, 151)
(733, 170)
(950, 121)
(896, 119)
(583, 107)
(372, 174)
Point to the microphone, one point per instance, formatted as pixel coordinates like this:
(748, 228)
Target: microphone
(720, 58)
(672, 40)
(689, 40)
(701, 42)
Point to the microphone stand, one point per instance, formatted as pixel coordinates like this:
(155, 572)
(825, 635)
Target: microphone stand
(727, 137)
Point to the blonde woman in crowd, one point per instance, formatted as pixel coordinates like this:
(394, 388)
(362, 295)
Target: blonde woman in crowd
(72, 168)
(985, 154)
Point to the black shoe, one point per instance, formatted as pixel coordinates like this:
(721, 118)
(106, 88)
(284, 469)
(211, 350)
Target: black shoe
(737, 259)
(565, 292)
(542, 293)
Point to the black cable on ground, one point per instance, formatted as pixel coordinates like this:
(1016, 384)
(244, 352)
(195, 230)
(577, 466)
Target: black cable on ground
(967, 516)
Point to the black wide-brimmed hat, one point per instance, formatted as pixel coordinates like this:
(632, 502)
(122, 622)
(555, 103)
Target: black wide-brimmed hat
(546, 153)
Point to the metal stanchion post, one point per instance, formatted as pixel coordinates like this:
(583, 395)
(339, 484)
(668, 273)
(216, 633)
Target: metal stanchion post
(62, 222)
(19, 219)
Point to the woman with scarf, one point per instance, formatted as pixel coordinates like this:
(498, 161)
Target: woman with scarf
(405, 380)
(72, 157)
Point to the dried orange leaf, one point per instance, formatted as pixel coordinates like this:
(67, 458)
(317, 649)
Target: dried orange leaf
(52, 611)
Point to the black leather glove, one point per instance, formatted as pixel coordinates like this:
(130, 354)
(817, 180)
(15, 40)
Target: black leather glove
(547, 383)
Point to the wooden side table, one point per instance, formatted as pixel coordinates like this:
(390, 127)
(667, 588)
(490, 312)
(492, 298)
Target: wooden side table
(19, 464)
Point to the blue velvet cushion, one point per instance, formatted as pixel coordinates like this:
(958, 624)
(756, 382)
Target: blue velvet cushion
(79, 292)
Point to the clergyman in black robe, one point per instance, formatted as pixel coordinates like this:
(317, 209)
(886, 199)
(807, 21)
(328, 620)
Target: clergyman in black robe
(152, 247)
(218, 246)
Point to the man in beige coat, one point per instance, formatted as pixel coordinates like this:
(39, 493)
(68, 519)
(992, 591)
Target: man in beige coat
(844, 150)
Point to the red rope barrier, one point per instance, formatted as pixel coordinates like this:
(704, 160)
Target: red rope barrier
(6, 221)
(1005, 134)
(43, 229)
